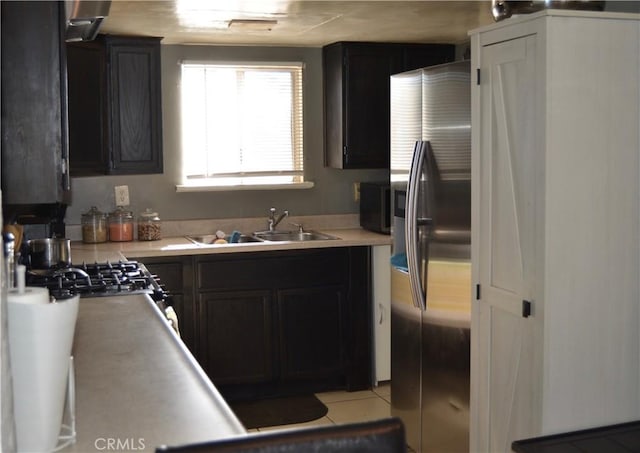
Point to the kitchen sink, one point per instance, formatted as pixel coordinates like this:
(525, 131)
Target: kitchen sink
(292, 236)
(265, 236)
(208, 239)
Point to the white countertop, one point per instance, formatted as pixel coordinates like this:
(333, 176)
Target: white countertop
(136, 383)
(180, 245)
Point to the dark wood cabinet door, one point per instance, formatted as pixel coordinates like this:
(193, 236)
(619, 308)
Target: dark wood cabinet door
(367, 107)
(34, 117)
(136, 115)
(236, 336)
(115, 111)
(311, 325)
(356, 90)
(357, 97)
(88, 109)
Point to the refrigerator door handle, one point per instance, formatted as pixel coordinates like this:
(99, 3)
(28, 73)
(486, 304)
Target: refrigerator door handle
(413, 223)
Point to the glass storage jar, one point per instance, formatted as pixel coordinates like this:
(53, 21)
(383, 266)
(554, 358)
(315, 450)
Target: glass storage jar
(121, 225)
(149, 226)
(94, 226)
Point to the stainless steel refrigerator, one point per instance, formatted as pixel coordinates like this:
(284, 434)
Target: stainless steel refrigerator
(431, 269)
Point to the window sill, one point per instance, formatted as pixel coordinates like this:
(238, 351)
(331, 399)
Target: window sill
(208, 188)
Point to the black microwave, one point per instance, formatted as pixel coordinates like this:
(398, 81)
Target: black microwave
(375, 206)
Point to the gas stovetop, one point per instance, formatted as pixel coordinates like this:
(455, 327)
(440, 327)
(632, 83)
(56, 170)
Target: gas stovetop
(97, 279)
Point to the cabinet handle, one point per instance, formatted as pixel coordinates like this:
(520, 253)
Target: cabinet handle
(381, 307)
(455, 403)
(66, 177)
(526, 308)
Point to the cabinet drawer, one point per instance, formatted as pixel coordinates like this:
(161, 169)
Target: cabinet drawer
(170, 275)
(265, 270)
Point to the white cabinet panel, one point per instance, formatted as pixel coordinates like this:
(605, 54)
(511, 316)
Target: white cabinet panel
(504, 249)
(382, 312)
(556, 221)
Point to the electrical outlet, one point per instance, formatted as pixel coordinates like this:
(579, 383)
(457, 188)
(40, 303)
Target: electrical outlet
(356, 191)
(122, 195)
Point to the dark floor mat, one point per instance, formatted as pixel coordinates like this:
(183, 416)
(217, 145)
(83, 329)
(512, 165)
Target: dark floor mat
(279, 411)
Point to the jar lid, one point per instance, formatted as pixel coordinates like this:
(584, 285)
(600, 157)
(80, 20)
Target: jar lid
(148, 214)
(93, 213)
(120, 213)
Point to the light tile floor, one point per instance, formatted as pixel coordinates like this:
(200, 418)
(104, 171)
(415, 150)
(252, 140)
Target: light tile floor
(349, 407)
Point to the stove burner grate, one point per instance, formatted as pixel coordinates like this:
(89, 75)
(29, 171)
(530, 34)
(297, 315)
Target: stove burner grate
(95, 279)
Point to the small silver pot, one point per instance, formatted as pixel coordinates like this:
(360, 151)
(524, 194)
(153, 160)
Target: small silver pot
(49, 253)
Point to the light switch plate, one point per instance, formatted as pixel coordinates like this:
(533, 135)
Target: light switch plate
(122, 195)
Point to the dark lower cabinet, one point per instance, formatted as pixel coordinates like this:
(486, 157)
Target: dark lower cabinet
(275, 323)
(176, 275)
(312, 322)
(236, 336)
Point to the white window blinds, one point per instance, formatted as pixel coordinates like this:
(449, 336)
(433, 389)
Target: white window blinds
(242, 123)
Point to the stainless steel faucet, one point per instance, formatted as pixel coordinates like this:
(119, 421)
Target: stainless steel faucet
(273, 222)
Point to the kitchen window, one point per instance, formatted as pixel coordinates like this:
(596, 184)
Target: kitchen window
(241, 126)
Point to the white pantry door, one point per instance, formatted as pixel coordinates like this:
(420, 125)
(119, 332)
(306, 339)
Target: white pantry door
(507, 392)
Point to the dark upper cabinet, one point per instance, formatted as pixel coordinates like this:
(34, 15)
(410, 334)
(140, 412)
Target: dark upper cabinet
(115, 106)
(356, 97)
(34, 117)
